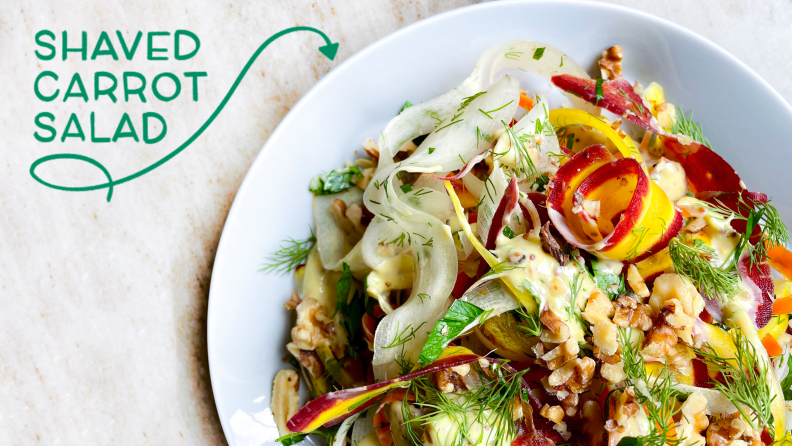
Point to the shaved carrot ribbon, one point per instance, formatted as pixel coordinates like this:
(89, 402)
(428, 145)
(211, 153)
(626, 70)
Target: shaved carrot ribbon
(771, 345)
(781, 260)
(563, 117)
(525, 299)
(783, 305)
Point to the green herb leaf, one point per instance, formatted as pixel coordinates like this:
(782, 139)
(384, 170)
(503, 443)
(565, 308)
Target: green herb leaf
(457, 318)
(630, 441)
(406, 105)
(598, 91)
(291, 439)
(431, 149)
(406, 187)
(337, 180)
(610, 283)
(538, 53)
(508, 232)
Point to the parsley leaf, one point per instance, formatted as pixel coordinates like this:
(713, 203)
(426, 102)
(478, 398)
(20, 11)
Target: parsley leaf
(337, 180)
(457, 318)
(538, 53)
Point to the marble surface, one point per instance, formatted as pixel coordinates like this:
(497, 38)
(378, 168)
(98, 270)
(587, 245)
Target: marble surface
(103, 305)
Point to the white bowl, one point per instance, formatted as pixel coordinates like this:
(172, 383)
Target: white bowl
(744, 118)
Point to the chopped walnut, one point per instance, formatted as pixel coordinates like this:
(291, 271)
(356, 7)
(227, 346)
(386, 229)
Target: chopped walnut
(614, 373)
(372, 148)
(607, 359)
(637, 282)
(694, 419)
(562, 354)
(574, 377)
(348, 218)
(730, 430)
(293, 301)
(695, 225)
(570, 404)
(598, 307)
(605, 335)
(674, 286)
(660, 338)
(552, 413)
(626, 407)
(285, 398)
(561, 428)
(678, 299)
(449, 381)
(630, 313)
(308, 359)
(313, 327)
(610, 64)
(555, 330)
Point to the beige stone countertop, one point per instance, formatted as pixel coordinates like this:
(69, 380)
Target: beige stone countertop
(103, 305)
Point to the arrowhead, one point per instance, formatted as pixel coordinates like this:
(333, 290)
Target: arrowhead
(329, 50)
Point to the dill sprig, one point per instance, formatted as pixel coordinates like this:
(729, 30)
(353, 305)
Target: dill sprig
(533, 325)
(656, 393)
(744, 380)
(492, 402)
(694, 263)
(686, 126)
(756, 214)
(291, 254)
(524, 162)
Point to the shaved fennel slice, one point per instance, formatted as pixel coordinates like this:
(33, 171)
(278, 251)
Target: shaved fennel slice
(343, 429)
(435, 264)
(540, 138)
(519, 55)
(454, 142)
(491, 295)
(363, 427)
(332, 242)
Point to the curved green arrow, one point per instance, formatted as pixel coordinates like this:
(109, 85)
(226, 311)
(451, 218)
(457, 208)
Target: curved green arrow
(329, 50)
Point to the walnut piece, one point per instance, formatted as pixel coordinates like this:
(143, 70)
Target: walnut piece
(574, 377)
(660, 338)
(556, 330)
(605, 335)
(694, 419)
(598, 307)
(552, 413)
(610, 64)
(629, 313)
(637, 282)
(449, 381)
(614, 373)
(348, 218)
(313, 327)
(562, 354)
(372, 148)
(293, 301)
(732, 430)
(285, 398)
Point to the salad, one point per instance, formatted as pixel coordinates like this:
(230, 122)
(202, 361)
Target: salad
(498, 271)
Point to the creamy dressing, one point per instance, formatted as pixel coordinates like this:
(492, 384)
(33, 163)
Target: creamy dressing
(670, 176)
(396, 273)
(445, 430)
(541, 275)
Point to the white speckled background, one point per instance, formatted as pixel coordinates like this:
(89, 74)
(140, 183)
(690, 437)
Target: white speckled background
(103, 305)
